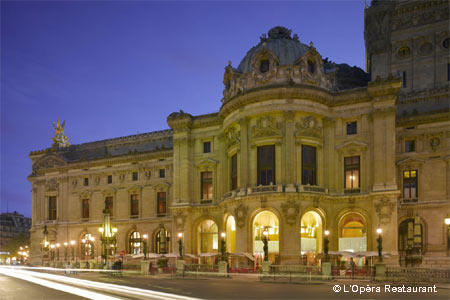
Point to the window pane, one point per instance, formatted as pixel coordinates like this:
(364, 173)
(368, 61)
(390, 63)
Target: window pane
(355, 179)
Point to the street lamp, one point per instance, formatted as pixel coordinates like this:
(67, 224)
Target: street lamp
(326, 243)
(380, 244)
(145, 236)
(52, 252)
(72, 243)
(223, 246)
(180, 244)
(266, 245)
(57, 250)
(65, 251)
(447, 222)
(107, 234)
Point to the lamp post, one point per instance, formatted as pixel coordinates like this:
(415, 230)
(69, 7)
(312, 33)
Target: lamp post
(45, 244)
(72, 244)
(57, 250)
(180, 244)
(380, 244)
(326, 243)
(447, 222)
(266, 245)
(145, 236)
(91, 241)
(52, 252)
(107, 234)
(223, 245)
(65, 251)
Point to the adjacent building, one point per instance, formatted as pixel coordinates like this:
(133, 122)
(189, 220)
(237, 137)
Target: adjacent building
(300, 146)
(13, 225)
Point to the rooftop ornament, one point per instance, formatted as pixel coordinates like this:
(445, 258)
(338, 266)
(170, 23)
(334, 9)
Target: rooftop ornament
(60, 139)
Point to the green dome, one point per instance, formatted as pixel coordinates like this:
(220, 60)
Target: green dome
(287, 49)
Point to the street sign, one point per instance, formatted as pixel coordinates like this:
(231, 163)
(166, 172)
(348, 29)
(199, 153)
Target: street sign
(122, 252)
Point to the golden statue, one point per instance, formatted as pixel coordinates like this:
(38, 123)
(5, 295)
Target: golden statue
(60, 139)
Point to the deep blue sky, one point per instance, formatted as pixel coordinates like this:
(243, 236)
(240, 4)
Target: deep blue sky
(112, 69)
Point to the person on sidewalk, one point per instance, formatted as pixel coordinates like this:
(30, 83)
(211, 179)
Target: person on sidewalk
(353, 265)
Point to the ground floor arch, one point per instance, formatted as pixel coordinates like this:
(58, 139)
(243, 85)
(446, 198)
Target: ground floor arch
(352, 232)
(230, 231)
(207, 237)
(266, 223)
(311, 235)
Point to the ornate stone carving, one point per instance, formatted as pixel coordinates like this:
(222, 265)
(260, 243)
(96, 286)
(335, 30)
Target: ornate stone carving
(180, 220)
(290, 211)
(435, 142)
(52, 185)
(384, 209)
(266, 126)
(309, 126)
(240, 213)
(97, 180)
(48, 162)
(74, 183)
(232, 136)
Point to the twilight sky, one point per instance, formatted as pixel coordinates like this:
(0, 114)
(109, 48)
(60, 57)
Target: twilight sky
(113, 69)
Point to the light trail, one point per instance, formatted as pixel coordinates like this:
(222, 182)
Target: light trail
(56, 286)
(107, 287)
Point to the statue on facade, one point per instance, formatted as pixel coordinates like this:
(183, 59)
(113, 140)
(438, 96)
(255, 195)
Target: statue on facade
(60, 139)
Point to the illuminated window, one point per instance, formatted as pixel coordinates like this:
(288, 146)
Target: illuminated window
(351, 171)
(134, 205)
(266, 165)
(87, 246)
(162, 242)
(161, 199)
(135, 243)
(410, 184)
(52, 208)
(309, 169)
(85, 208)
(206, 186)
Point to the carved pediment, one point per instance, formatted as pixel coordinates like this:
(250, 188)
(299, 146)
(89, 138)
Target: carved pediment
(135, 189)
(161, 186)
(410, 162)
(266, 126)
(309, 126)
(207, 164)
(49, 161)
(109, 192)
(85, 195)
(351, 146)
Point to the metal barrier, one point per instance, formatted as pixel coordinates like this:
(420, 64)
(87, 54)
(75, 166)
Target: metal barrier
(364, 272)
(416, 275)
(292, 273)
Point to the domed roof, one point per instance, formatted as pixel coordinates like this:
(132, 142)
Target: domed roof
(287, 49)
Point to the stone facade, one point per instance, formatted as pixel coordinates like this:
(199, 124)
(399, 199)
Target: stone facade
(290, 153)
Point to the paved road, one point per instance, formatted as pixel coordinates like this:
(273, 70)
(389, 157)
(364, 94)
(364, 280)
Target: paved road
(253, 289)
(16, 289)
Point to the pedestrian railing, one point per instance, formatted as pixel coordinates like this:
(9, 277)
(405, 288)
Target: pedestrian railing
(364, 272)
(292, 273)
(417, 275)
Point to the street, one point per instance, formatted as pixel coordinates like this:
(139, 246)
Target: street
(17, 283)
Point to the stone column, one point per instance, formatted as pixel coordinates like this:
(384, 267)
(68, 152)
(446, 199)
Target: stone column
(244, 157)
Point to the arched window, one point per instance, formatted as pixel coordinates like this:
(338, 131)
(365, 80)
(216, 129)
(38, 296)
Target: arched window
(87, 246)
(208, 236)
(311, 234)
(266, 221)
(231, 234)
(163, 242)
(264, 66)
(135, 243)
(352, 233)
